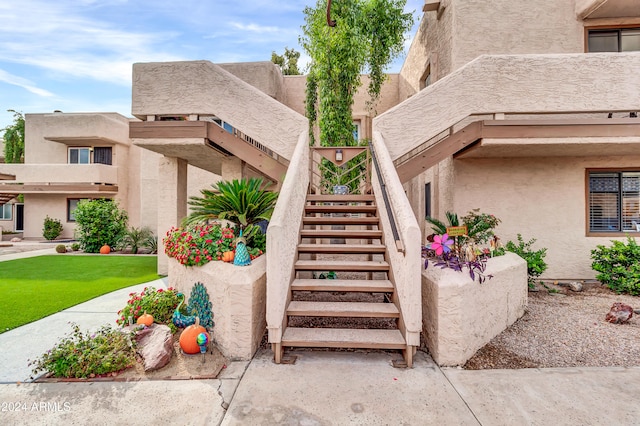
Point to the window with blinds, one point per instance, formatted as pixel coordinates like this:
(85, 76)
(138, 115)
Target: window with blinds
(614, 201)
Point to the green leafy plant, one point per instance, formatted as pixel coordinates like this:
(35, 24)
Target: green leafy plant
(158, 303)
(618, 266)
(75, 246)
(151, 243)
(61, 248)
(13, 136)
(83, 355)
(196, 245)
(288, 61)
(242, 202)
(134, 238)
(52, 228)
(99, 222)
(535, 258)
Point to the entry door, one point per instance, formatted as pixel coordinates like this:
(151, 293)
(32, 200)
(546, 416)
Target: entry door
(19, 217)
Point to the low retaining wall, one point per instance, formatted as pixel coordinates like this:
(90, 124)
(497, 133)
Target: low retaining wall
(459, 316)
(238, 299)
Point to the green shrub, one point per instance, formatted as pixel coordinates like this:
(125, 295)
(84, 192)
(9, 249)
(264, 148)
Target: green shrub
(99, 222)
(61, 248)
(75, 246)
(135, 238)
(535, 259)
(618, 266)
(52, 228)
(151, 243)
(158, 303)
(82, 355)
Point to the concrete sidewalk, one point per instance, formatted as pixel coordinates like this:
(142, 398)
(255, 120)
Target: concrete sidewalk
(321, 388)
(339, 388)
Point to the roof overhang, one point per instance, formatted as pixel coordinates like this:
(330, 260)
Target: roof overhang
(596, 9)
(82, 140)
(6, 176)
(529, 138)
(59, 188)
(204, 144)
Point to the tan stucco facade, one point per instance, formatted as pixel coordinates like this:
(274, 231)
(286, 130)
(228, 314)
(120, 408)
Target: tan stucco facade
(517, 60)
(503, 60)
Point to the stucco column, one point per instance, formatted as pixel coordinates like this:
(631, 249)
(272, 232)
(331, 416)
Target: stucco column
(172, 201)
(232, 168)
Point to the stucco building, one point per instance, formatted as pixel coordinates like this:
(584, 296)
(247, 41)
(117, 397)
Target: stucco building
(523, 109)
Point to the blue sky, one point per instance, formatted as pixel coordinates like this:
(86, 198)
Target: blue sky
(76, 56)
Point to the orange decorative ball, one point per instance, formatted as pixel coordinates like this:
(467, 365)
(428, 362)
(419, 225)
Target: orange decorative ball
(145, 319)
(228, 256)
(189, 338)
(105, 249)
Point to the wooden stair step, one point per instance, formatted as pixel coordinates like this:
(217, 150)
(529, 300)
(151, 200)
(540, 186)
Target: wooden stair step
(342, 309)
(343, 338)
(341, 248)
(341, 233)
(368, 286)
(349, 198)
(332, 208)
(341, 265)
(346, 220)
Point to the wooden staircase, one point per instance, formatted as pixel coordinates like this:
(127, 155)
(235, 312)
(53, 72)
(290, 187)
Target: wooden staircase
(341, 233)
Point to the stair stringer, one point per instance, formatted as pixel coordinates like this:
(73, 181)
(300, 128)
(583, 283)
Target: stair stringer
(405, 265)
(282, 242)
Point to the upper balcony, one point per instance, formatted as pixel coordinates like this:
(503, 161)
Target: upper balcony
(59, 178)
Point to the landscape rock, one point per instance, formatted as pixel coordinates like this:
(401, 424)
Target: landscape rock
(155, 346)
(15, 240)
(619, 313)
(575, 286)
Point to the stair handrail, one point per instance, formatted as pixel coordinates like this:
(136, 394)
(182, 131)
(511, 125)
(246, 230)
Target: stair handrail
(406, 266)
(283, 235)
(385, 197)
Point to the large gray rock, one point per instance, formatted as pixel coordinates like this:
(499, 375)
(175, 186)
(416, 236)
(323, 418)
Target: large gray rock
(155, 346)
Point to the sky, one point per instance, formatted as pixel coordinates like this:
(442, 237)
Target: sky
(77, 56)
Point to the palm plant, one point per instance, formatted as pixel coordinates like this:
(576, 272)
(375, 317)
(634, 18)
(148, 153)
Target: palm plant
(136, 238)
(243, 202)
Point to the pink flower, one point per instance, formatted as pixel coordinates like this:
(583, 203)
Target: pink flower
(441, 244)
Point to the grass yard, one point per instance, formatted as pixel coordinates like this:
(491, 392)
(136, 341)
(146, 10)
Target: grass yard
(35, 287)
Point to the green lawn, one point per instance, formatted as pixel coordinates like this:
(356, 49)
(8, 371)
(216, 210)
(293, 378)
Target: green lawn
(33, 288)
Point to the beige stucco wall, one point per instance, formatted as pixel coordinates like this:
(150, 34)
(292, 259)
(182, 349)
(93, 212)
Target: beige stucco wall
(238, 299)
(203, 88)
(431, 45)
(39, 206)
(460, 316)
(513, 83)
(264, 76)
(514, 27)
(467, 29)
(76, 128)
(542, 198)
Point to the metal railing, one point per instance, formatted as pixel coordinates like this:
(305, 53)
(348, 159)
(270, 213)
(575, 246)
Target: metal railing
(348, 174)
(387, 203)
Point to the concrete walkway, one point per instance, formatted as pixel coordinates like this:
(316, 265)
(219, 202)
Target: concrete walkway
(322, 388)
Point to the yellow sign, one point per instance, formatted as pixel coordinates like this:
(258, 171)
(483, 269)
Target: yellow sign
(457, 231)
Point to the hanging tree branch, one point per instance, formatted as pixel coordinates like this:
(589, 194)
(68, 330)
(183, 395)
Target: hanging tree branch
(330, 22)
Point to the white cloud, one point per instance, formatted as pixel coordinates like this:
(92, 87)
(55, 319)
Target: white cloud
(24, 83)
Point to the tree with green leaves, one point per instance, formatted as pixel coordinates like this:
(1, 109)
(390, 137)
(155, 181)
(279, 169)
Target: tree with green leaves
(288, 61)
(14, 139)
(99, 222)
(367, 36)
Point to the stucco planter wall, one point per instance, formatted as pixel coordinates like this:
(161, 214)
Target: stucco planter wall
(238, 299)
(460, 315)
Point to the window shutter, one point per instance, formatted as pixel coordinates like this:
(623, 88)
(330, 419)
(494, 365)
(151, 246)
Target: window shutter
(604, 202)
